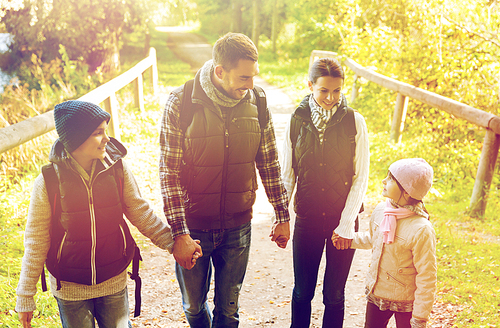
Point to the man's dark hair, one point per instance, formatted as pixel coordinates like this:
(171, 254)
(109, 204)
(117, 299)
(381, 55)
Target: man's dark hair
(232, 47)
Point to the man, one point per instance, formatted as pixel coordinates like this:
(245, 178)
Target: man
(208, 179)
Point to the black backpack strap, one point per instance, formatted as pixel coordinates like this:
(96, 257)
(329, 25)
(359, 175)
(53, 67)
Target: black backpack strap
(260, 96)
(186, 110)
(52, 186)
(137, 279)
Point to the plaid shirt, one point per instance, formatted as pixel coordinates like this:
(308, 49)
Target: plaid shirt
(171, 142)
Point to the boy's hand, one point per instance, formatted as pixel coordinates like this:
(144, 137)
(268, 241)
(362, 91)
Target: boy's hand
(280, 233)
(184, 249)
(25, 318)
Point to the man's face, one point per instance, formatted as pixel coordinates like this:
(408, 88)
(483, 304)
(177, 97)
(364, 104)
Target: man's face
(238, 80)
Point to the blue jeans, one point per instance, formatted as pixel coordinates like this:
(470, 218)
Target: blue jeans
(375, 318)
(309, 239)
(227, 251)
(110, 312)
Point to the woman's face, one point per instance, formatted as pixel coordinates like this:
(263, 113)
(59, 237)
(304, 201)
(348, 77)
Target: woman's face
(326, 91)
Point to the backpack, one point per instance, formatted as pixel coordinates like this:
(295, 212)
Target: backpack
(52, 185)
(187, 106)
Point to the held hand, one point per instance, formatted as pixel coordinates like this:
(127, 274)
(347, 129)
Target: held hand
(25, 318)
(184, 249)
(197, 254)
(341, 243)
(280, 233)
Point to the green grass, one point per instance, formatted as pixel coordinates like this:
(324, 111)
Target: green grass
(14, 198)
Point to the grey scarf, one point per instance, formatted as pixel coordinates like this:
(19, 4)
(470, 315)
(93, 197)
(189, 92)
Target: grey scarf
(212, 92)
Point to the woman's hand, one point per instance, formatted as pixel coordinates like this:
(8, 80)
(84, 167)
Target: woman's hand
(25, 318)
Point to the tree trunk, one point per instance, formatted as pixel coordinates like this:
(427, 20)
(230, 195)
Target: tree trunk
(236, 7)
(274, 28)
(256, 23)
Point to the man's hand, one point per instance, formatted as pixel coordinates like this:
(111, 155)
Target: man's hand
(341, 243)
(280, 233)
(25, 318)
(185, 249)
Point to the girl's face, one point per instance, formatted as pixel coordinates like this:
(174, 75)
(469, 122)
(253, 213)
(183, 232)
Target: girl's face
(391, 188)
(326, 91)
(93, 148)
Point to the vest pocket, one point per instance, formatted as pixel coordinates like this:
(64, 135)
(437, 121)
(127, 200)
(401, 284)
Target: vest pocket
(124, 241)
(59, 251)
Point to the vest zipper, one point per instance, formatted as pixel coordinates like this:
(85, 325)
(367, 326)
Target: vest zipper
(224, 175)
(94, 238)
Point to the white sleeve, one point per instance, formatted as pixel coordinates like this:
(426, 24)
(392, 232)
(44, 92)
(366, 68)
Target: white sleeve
(354, 200)
(287, 173)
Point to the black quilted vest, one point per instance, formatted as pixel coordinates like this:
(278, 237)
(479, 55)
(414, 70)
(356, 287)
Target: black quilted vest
(91, 242)
(218, 175)
(324, 171)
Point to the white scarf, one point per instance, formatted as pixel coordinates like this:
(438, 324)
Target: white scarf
(219, 98)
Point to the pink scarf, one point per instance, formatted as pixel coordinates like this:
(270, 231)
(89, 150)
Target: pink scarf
(388, 224)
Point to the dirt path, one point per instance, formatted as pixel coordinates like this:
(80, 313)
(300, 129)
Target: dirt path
(267, 289)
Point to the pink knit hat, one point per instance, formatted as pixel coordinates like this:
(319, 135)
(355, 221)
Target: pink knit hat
(414, 175)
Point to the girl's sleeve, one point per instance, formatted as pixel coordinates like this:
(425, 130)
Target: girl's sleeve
(142, 216)
(36, 246)
(424, 260)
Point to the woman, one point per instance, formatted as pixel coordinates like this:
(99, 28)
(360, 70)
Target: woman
(326, 154)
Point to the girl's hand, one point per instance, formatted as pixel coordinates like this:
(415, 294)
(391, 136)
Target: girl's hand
(341, 243)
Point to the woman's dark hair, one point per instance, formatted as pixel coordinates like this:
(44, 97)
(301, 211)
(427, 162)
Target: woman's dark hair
(325, 67)
(412, 201)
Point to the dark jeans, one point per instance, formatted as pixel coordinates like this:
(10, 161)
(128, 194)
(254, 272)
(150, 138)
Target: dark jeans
(375, 318)
(309, 239)
(228, 252)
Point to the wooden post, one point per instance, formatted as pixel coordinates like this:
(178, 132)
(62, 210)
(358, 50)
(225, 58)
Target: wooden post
(154, 71)
(485, 173)
(111, 106)
(355, 89)
(398, 119)
(139, 93)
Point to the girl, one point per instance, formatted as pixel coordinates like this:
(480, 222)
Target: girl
(326, 154)
(86, 245)
(401, 280)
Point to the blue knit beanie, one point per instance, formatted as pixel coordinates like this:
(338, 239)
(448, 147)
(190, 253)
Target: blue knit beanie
(76, 121)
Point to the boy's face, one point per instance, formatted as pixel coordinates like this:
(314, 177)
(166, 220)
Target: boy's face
(238, 80)
(95, 145)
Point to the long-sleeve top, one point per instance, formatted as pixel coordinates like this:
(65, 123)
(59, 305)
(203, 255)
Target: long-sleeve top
(354, 200)
(37, 244)
(171, 141)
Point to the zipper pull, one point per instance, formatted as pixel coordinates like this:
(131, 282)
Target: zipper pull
(227, 138)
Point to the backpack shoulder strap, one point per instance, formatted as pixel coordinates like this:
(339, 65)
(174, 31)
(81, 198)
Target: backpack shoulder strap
(52, 186)
(260, 96)
(186, 110)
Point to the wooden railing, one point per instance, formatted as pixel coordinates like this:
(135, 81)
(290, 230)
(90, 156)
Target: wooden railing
(19, 133)
(481, 118)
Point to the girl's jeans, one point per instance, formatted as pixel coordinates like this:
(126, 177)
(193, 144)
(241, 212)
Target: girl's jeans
(110, 312)
(309, 239)
(375, 318)
(228, 252)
